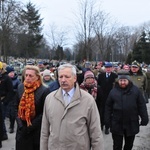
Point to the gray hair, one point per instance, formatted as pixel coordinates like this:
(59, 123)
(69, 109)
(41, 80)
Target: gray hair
(72, 67)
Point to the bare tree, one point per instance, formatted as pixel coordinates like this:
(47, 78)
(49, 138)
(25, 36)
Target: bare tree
(84, 24)
(56, 37)
(8, 14)
(104, 28)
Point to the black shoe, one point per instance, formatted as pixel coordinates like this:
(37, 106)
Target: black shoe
(106, 131)
(11, 130)
(5, 137)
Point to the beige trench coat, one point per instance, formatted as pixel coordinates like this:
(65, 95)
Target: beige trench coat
(76, 127)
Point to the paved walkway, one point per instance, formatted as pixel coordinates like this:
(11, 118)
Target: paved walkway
(142, 140)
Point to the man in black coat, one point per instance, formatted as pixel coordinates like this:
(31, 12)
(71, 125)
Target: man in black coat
(6, 92)
(124, 106)
(105, 81)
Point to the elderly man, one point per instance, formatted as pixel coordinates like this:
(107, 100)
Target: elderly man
(105, 81)
(70, 122)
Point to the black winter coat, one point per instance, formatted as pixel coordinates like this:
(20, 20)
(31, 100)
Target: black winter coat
(1, 124)
(6, 92)
(123, 109)
(6, 88)
(30, 134)
(106, 84)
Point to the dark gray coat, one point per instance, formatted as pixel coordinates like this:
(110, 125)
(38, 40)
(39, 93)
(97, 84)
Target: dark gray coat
(123, 109)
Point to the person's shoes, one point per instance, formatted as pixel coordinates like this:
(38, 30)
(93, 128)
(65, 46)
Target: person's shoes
(11, 130)
(106, 131)
(5, 137)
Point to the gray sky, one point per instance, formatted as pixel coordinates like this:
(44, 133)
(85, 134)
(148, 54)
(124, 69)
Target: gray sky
(126, 12)
(129, 12)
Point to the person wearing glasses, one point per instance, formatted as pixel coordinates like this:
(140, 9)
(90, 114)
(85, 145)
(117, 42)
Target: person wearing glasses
(125, 112)
(30, 99)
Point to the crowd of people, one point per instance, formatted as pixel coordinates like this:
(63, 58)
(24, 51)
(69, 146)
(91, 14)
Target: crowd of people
(69, 106)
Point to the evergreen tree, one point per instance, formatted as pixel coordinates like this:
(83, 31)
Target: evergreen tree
(141, 50)
(31, 27)
(129, 58)
(59, 53)
(145, 44)
(137, 53)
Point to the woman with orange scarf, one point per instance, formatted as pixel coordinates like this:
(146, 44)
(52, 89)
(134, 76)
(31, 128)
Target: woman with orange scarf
(30, 99)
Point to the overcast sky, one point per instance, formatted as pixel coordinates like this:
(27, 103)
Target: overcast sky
(126, 12)
(129, 12)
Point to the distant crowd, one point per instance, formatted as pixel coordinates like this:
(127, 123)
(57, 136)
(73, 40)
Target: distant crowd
(68, 106)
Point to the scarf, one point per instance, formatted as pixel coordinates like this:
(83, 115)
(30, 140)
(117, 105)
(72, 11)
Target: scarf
(90, 88)
(26, 110)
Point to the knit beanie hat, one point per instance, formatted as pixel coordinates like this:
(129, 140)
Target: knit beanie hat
(46, 72)
(9, 69)
(88, 74)
(123, 74)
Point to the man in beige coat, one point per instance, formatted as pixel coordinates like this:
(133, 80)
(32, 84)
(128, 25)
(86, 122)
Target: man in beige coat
(72, 123)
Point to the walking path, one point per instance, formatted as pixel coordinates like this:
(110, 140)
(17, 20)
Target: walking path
(142, 140)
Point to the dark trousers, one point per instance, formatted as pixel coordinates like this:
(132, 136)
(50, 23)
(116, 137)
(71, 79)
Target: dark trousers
(4, 111)
(118, 142)
(11, 114)
(102, 118)
(28, 140)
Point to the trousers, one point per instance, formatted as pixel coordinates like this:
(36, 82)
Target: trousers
(118, 142)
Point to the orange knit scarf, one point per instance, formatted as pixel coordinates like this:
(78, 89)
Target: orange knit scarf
(26, 110)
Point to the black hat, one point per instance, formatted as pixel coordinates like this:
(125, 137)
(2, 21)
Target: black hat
(123, 74)
(9, 69)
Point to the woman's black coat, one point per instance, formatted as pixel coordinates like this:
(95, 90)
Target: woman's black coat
(125, 110)
(30, 134)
